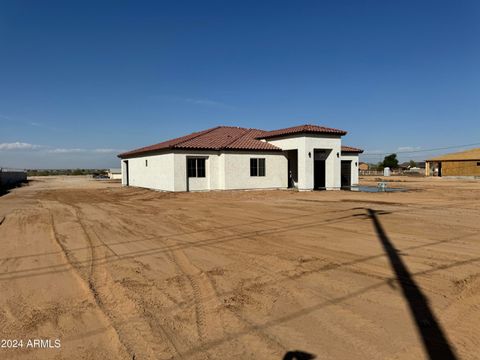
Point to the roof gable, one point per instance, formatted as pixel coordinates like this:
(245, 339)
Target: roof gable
(302, 129)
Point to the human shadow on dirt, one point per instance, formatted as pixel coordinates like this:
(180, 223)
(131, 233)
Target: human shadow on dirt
(434, 339)
(5, 189)
(298, 355)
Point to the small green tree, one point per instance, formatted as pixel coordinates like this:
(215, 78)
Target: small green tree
(412, 164)
(390, 161)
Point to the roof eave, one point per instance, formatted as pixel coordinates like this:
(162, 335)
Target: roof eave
(343, 133)
(130, 155)
(351, 152)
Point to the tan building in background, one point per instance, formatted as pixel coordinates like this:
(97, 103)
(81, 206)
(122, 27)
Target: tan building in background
(363, 166)
(464, 163)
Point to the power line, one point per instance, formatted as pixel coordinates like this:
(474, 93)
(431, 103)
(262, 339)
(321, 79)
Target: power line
(421, 151)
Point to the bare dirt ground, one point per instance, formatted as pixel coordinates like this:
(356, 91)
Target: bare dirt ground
(126, 273)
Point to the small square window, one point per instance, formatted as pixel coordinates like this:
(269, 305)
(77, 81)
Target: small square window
(257, 167)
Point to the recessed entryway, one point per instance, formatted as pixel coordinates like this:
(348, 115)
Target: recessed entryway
(346, 174)
(292, 156)
(127, 182)
(319, 168)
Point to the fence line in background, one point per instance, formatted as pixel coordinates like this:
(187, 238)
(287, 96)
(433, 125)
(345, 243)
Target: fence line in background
(4, 169)
(393, 172)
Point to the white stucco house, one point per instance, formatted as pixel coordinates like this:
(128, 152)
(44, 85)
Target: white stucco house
(308, 157)
(115, 174)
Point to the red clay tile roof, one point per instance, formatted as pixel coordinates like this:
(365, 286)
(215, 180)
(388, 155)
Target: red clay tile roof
(302, 129)
(217, 138)
(248, 141)
(351, 149)
(231, 138)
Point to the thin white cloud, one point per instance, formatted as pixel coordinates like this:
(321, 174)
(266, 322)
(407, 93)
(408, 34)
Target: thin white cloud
(28, 123)
(80, 150)
(374, 152)
(36, 124)
(409, 148)
(195, 101)
(204, 102)
(106, 151)
(66, 151)
(23, 146)
(18, 146)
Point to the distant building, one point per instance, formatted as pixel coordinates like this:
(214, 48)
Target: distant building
(407, 167)
(363, 166)
(305, 157)
(115, 174)
(404, 166)
(464, 163)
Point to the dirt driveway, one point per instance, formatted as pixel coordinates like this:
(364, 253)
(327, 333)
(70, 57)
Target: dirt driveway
(126, 273)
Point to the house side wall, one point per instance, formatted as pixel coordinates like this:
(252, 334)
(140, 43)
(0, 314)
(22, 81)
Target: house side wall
(229, 170)
(157, 175)
(354, 166)
(306, 144)
(237, 171)
(461, 168)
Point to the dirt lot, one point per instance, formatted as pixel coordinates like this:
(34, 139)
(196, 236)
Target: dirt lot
(122, 273)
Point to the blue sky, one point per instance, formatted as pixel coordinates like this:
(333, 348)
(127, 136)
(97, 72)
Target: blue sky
(81, 81)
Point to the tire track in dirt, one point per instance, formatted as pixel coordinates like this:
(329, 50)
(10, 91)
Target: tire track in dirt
(81, 276)
(134, 333)
(207, 303)
(258, 339)
(135, 330)
(210, 309)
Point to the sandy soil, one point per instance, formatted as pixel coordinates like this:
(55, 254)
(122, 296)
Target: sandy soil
(125, 273)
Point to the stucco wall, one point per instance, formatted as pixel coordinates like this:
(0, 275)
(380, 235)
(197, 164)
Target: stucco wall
(229, 170)
(307, 144)
(354, 168)
(237, 171)
(157, 175)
